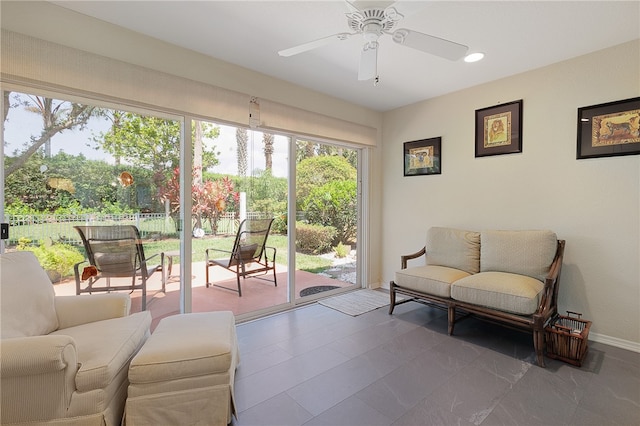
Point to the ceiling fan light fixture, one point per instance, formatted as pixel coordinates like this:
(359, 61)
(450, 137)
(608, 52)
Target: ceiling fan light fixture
(474, 57)
(371, 31)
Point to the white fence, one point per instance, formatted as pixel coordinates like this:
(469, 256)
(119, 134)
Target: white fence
(59, 227)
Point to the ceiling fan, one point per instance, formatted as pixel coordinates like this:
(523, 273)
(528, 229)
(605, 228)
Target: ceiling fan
(374, 22)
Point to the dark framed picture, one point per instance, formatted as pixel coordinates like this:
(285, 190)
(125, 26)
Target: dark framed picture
(499, 129)
(609, 129)
(423, 157)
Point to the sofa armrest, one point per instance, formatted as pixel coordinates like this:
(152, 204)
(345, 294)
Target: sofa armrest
(30, 356)
(405, 258)
(76, 310)
(41, 369)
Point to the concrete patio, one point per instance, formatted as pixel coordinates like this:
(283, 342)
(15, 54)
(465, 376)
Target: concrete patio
(257, 294)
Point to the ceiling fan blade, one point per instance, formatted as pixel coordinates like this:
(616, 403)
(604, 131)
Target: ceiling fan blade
(313, 44)
(430, 44)
(368, 62)
(352, 7)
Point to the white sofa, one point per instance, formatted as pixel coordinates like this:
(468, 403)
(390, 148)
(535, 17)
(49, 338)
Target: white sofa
(506, 276)
(64, 359)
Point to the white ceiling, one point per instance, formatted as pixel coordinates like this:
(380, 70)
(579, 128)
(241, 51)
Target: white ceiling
(516, 36)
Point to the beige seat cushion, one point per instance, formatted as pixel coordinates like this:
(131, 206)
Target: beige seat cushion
(454, 248)
(106, 347)
(435, 280)
(519, 252)
(184, 346)
(27, 298)
(518, 294)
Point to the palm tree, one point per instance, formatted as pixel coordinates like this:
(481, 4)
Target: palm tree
(241, 138)
(56, 118)
(267, 138)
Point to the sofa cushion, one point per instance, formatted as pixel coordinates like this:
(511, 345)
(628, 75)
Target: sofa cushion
(27, 298)
(430, 279)
(106, 347)
(454, 248)
(518, 294)
(527, 253)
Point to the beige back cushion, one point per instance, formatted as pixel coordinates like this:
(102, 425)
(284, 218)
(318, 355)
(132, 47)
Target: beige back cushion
(527, 253)
(454, 248)
(27, 297)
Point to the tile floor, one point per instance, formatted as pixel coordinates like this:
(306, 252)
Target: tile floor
(317, 366)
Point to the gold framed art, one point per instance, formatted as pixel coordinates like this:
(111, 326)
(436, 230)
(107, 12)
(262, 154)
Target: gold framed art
(499, 129)
(423, 157)
(609, 129)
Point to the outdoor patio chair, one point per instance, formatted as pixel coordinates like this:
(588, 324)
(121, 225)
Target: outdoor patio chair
(115, 252)
(249, 257)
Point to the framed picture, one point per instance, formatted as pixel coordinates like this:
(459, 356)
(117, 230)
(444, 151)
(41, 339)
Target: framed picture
(423, 157)
(499, 129)
(610, 129)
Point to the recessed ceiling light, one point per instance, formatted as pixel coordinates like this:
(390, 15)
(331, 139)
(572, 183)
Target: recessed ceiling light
(474, 57)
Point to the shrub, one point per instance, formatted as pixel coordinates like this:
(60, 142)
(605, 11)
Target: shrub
(279, 225)
(314, 172)
(314, 239)
(334, 204)
(19, 208)
(56, 257)
(341, 250)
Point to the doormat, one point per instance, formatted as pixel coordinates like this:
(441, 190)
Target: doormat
(316, 289)
(358, 302)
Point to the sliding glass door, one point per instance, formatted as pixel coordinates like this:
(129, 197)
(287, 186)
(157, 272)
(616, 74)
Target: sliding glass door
(74, 163)
(326, 222)
(70, 162)
(246, 182)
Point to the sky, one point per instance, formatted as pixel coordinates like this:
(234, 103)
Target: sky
(22, 124)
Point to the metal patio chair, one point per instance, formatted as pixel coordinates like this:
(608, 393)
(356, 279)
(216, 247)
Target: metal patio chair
(250, 256)
(115, 252)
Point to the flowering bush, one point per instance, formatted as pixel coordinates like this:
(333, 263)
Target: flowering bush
(210, 198)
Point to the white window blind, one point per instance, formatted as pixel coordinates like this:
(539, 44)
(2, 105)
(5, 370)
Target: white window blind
(29, 61)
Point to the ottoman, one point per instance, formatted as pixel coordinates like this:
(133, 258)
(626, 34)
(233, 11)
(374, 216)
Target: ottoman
(184, 373)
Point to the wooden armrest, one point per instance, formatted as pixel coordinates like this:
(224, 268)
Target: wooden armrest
(548, 302)
(404, 259)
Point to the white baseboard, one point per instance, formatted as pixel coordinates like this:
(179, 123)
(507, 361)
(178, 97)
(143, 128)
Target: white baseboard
(614, 341)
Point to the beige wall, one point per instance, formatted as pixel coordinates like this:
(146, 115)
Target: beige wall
(593, 204)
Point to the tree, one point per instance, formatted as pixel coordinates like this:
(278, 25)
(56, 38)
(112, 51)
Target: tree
(267, 139)
(241, 138)
(197, 150)
(153, 143)
(316, 171)
(70, 183)
(305, 149)
(58, 116)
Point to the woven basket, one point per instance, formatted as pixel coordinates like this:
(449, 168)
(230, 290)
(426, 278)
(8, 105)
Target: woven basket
(567, 337)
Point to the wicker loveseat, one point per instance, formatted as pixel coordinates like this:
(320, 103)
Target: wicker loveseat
(506, 276)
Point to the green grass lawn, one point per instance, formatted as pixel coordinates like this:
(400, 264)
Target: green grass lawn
(152, 246)
(304, 262)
